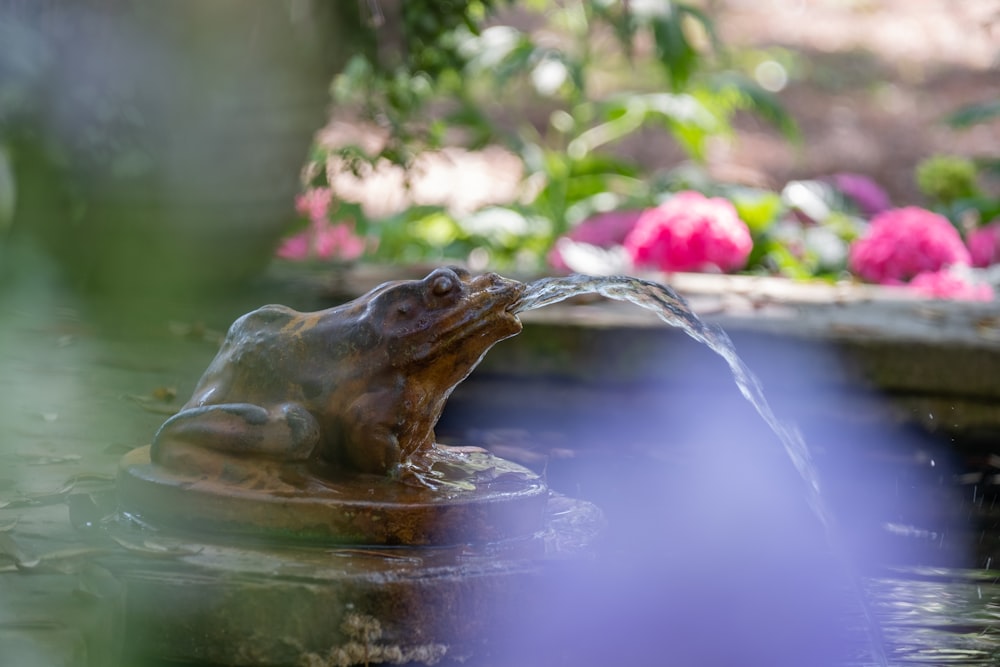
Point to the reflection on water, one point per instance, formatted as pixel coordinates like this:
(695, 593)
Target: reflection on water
(940, 616)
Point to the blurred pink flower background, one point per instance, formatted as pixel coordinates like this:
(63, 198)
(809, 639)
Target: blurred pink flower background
(903, 242)
(916, 247)
(322, 239)
(984, 244)
(911, 246)
(690, 232)
(947, 284)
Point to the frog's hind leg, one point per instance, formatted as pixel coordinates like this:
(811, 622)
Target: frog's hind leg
(287, 432)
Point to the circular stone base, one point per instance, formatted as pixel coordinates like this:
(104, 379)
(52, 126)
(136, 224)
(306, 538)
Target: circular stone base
(461, 496)
(206, 601)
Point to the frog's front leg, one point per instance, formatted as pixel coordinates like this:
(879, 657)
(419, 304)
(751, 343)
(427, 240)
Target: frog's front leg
(286, 432)
(371, 434)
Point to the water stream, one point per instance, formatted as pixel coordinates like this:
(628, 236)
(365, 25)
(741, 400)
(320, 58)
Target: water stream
(674, 310)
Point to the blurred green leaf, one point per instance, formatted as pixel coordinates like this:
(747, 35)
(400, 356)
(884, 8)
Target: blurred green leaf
(786, 263)
(673, 50)
(478, 77)
(704, 20)
(758, 208)
(746, 94)
(947, 178)
(622, 20)
(973, 114)
(988, 165)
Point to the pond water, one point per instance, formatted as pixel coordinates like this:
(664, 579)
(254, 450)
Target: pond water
(713, 555)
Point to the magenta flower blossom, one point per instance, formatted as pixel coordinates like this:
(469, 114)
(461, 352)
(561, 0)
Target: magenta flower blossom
(866, 194)
(603, 230)
(984, 244)
(690, 232)
(314, 203)
(903, 242)
(946, 284)
(322, 239)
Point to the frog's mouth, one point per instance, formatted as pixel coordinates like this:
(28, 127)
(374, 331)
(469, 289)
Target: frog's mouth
(483, 317)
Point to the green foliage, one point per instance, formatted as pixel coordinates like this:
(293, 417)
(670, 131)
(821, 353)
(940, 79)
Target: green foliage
(952, 183)
(758, 208)
(461, 81)
(947, 178)
(674, 48)
(973, 114)
(431, 30)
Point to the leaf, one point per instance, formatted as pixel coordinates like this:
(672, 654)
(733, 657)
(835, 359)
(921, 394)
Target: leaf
(149, 404)
(354, 212)
(973, 114)
(706, 23)
(988, 164)
(98, 583)
(620, 17)
(748, 95)
(23, 559)
(472, 119)
(673, 50)
(692, 139)
(155, 549)
(758, 208)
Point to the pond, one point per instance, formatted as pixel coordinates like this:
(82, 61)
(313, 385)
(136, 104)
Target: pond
(711, 554)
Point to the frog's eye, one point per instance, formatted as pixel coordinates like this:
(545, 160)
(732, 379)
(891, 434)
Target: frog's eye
(441, 285)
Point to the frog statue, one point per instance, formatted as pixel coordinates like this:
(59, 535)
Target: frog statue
(357, 388)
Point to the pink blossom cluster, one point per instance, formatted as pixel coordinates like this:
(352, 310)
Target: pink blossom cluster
(984, 244)
(690, 232)
(905, 242)
(322, 239)
(947, 284)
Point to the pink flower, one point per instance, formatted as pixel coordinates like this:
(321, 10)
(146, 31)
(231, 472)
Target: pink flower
(314, 203)
(869, 197)
(948, 285)
(903, 242)
(322, 239)
(337, 241)
(603, 230)
(984, 244)
(690, 232)
(295, 247)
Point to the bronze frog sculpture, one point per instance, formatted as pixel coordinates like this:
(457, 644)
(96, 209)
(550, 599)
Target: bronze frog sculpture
(357, 388)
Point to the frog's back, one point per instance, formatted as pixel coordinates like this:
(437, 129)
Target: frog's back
(253, 363)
